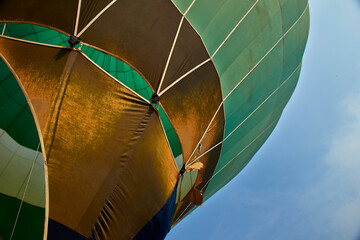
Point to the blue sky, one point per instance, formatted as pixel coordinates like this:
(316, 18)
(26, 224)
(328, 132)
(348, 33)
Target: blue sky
(304, 183)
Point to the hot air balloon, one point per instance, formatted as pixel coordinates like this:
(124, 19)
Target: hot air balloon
(119, 117)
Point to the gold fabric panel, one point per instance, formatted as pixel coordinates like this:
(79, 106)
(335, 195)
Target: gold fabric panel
(191, 104)
(89, 9)
(41, 81)
(210, 160)
(139, 32)
(150, 162)
(189, 52)
(60, 14)
(105, 146)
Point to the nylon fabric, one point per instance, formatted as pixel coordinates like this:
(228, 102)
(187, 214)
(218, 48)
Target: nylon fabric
(135, 42)
(115, 67)
(92, 138)
(18, 144)
(189, 51)
(259, 44)
(191, 105)
(16, 117)
(231, 150)
(159, 225)
(30, 224)
(59, 14)
(15, 165)
(89, 9)
(56, 14)
(36, 33)
(271, 109)
(182, 5)
(157, 177)
(220, 113)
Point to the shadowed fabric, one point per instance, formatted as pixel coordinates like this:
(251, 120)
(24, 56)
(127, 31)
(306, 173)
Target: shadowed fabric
(159, 225)
(60, 14)
(92, 126)
(257, 45)
(97, 135)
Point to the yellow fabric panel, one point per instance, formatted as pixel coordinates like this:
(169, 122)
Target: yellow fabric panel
(104, 145)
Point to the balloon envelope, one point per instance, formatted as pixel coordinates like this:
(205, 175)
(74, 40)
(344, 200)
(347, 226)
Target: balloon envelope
(156, 106)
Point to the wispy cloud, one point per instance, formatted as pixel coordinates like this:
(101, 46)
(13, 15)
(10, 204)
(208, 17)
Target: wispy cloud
(335, 199)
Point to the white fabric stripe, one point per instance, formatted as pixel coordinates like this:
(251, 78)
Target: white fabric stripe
(3, 31)
(251, 70)
(26, 186)
(183, 76)
(77, 18)
(96, 17)
(277, 89)
(170, 54)
(251, 8)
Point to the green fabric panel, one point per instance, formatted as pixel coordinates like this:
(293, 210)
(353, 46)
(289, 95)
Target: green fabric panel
(187, 182)
(248, 44)
(119, 70)
(36, 33)
(16, 117)
(182, 5)
(247, 132)
(15, 165)
(236, 165)
(291, 11)
(253, 90)
(215, 19)
(294, 45)
(170, 133)
(30, 224)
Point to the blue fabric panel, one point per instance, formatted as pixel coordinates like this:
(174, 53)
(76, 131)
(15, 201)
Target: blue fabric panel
(159, 225)
(57, 231)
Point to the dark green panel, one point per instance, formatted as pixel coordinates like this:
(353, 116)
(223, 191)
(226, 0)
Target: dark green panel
(36, 33)
(16, 117)
(30, 224)
(170, 133)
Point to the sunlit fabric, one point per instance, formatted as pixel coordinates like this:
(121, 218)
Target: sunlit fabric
(78, 83)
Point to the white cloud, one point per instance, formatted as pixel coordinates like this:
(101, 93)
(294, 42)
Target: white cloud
(337, 195)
